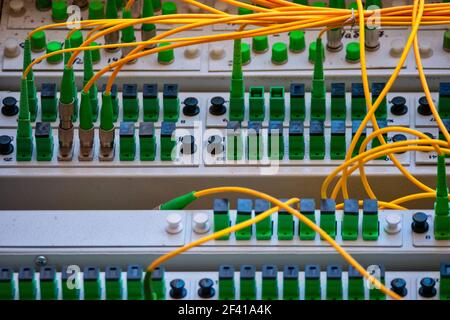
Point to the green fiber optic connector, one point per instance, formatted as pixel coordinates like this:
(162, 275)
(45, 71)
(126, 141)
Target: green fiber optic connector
(151, 102)
(44, 141)
(370, 224)
(338, 144)
(291, 289)
(312, 282)
(92, 283)
(328, 216)
(48, 283)
(127, 141)
(334, 282)
(171, 103)
(264, 227)
(359, 107)
(276, 140)
(49, 102)
(70, 284)
(307, 208)
(441, 205)
(350, 220)
(296, 140)
(355, 125)
(237, 90)
(113, 283)
(256, 104)
(297, 101)
(24, 141)
(234, 141)
(227, 290)
(248, 282)
(318, 85)
(130, 103)
(7, 284)
(135, 284)
(444, 282)
(276, 103)
(444, 99)
(269, 287)
(316, 140)
(285, 224)
(27, 284)
(338, 101)
(243, 213)
(255, 146)
(375, 142)
(221, 209)
(147, 141)
(31, 87)
(355, 284)
(381, 112)
(159, 283)
(93, 90)
(168, 142)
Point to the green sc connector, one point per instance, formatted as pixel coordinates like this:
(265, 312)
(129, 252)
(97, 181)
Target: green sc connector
(370, 224)
(127, 141)
(92, 283)
(168, 143)
(318, 90)
(291, 290)
(130, 103)
(48, 283)
(113, 283)
(296, 140)
(171, 103)
(376, 142)
(269, 288)
(350, 220)
(297, 101)
(151, 102)
(338, 143)
(226, 283)
(49, 102)
(147, 141)
(338, 101)
(27, 284)
(312, 283)
(256, 104)
(381, 112)
(444, 100)
(264, 227)
(285, 229)
(441, 205)
(328, 216)
(234, 141)
(255, 147)
(359, 108)
(444, 282)
(355, 126)
(159, 283)
(248, 283)
(334, 282)
(355, 284)
(7, 284)
(244, 213)
(307, 208)
(221, 216)
(24, 141)
(316, 140)
(237, 90)
(276, 103)
(276, 140)
(44, 141)
(135, 284)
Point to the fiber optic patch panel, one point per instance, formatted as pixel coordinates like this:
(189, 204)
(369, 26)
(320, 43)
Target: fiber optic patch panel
(209, 64)
(203, 137)
(384, 236)
(290, 282)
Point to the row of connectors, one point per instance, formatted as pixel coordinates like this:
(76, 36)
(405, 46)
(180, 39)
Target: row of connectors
(296, 140)
(285, 230)
(268, 284)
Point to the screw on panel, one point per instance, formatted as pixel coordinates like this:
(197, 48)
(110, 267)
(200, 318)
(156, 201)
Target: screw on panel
(41, 261)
